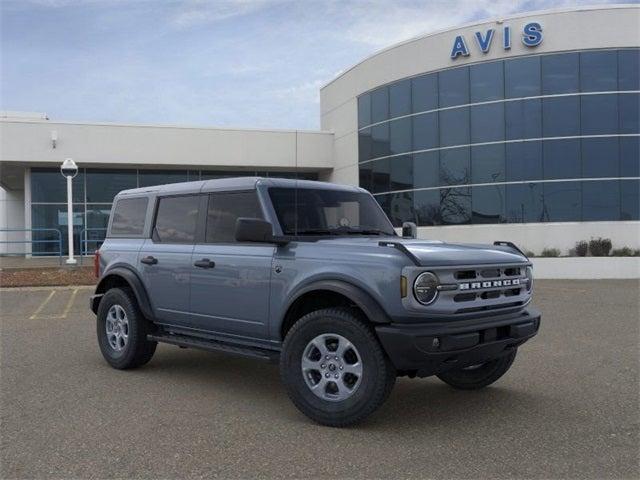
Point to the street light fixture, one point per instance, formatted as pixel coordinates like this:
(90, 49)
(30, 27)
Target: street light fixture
(69, 169)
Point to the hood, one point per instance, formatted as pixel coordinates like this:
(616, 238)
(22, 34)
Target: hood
(435, 253)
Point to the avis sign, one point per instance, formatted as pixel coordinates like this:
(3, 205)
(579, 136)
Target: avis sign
(531, 37)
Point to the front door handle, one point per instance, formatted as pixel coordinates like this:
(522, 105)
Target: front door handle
(204, 263)
(149, 260)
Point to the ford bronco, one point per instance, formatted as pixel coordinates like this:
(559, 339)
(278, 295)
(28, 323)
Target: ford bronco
(312, 275)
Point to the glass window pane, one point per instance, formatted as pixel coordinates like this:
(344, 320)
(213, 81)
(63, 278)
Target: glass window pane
(49, 186)
(425, 131)
(453, 86)
(426, 169)
(161, 177)
(380, 104)
(365, 176)
(384, 202)
(454, 127)
(560, 73)
(455, 205)
(54, 217)
(427, 207)
(599, 114)
(487, 81)
(401, 208)
(213, 174)
(630, 156)
(599, 71)
(523, 161)
(561, 159)
(104, 185)
(524, 203)
(629, 113)
(561, 117)
(600, 201)
(380, 170)
(562, 202)
(522, 77)
(487, 164)
(630, 200)
(487, 123)
(223, 211)
(364, 110)
(400, 135)
(629, 69)
(400, 98)
(364, 145)
(176, 219)
(523, 119)
(401, 172)
(128, 216)
(424, 93)
(488, 204)
(380, 141)
(600, 157)
(455, 166)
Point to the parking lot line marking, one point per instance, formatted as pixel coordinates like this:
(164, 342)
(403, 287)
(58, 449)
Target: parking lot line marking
(42, 305)
(69, 303)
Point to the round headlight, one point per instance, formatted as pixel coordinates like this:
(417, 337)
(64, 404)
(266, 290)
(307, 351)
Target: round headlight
(425, 288)
(529, 274)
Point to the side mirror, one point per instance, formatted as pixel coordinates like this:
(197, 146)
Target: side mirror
(409, 230)
(255, 230)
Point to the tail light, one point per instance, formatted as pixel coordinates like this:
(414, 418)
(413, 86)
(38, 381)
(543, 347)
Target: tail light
(96, 263)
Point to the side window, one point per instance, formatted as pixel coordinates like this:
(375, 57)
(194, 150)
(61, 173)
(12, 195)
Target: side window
(176, 219)
(128, 216)
(225, 209)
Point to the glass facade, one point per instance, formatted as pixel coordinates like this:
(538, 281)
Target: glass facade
(545, 138)
(93, 193)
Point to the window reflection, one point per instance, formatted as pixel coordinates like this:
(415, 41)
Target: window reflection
(488, 204)
(455, 166)
(561, 201)
(561, 159)
(455, 205)
(599, 114)
(453, 87)
(400, 99)
(427, 207)
(454, 127)
(424, 93)
(524, 203)
(487, 123)
(522, 77)
(523, 119)
(487, 81)
(487, 164)
(598, 71)
(560, 73)
(600, 157)
(561, 117)
(600, 201)
(523, 161)
(630, 200)
(379, 105)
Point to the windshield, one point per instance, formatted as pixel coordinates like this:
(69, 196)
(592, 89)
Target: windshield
(328, 212)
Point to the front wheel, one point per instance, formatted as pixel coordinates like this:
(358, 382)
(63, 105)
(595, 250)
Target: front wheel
(334, 368)
(479, 376)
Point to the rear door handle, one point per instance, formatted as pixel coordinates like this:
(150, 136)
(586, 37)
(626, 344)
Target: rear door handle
(149, 260)
(204, 263)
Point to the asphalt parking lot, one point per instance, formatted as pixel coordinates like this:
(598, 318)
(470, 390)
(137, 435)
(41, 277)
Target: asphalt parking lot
(569, 407)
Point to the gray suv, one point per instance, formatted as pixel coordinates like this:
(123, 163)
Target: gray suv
(312, 275)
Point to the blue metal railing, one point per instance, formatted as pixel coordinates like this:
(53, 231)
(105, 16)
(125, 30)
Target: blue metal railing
(57, 241)
(87, 237)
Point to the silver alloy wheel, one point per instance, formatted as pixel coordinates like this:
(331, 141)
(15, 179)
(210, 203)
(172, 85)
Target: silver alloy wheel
(332, 367)
(117, 328)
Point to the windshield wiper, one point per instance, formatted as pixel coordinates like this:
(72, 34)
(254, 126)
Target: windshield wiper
(362, 231)
(314, 231)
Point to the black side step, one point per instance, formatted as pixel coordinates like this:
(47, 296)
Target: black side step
(215, 346)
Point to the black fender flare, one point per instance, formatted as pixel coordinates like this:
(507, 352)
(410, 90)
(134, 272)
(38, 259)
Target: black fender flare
(135, 283)
(371, 308)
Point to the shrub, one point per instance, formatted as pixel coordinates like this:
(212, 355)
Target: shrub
(623, 252)
(581, 248)
(550, 252)
(529, 253)
(600, 247)
(636, 252)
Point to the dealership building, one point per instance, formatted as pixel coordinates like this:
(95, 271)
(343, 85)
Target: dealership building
(523, 128)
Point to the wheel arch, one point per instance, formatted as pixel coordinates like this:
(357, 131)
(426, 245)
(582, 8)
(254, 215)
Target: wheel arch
(123, 277)
(330, 293)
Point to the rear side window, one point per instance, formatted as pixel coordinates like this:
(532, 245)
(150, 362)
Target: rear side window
(176, 219)
(224, 209)
(128, 216)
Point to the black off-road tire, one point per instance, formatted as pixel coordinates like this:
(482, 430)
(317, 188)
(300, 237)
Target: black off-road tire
(481, 376)
(138, 350)
(378, 376)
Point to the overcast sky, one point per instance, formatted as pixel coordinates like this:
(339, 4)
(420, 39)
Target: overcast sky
(243, 63)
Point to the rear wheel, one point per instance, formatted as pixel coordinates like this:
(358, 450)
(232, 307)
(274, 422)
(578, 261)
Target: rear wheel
(122, 330)
(334, 368)
(479, 376)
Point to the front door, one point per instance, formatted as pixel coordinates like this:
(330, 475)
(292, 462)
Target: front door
(230, 281)
(165, 259)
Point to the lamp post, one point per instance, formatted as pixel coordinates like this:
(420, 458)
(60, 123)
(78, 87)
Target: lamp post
(69, 170)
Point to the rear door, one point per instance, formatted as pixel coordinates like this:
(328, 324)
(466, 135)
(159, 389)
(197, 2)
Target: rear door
(165, 259)
(230, 281)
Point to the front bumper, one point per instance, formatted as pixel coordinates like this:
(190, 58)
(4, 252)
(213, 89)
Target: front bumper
(430, 348)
